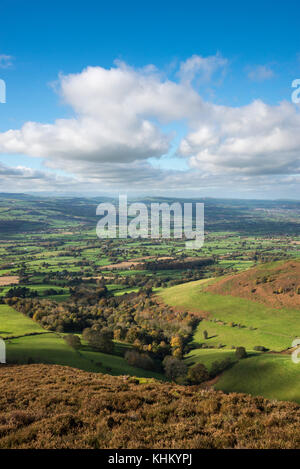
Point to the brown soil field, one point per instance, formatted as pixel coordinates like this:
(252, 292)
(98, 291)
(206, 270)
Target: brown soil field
(278, 287)
(49, 406)
(9, 280)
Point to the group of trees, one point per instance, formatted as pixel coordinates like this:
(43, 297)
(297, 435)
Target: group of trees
(21, 292)
(177, 370)
(133, 318)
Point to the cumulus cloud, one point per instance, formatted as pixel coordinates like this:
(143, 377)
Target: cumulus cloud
(117, 115)
(25, 178)
(118, 126)
(260, 73)
(254, 139)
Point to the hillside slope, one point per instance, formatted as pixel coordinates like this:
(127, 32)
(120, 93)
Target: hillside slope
(243, 309)
(274, 284)
(233, 315)
(59, 407)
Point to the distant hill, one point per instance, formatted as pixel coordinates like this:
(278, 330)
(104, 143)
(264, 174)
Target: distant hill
(243, 216)
(274, 284)
(45, 406)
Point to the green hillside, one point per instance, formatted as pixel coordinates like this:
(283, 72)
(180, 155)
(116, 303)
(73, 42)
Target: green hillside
(229, 322)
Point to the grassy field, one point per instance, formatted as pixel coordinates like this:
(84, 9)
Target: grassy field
(117, 365)
(268, 375)
(231, 322)
(208, 356)
(13, 323)
(271, 327)
(44, 348)
(227, 336)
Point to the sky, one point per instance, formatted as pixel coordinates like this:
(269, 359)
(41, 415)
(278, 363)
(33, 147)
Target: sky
(166, 98)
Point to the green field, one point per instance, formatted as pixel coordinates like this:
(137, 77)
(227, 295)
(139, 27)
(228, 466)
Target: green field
(271, 376)
(272, 328)
(118, 365)
(45, 348)
(208, 356)
(13, 323)
(274, 376)
(227, 336)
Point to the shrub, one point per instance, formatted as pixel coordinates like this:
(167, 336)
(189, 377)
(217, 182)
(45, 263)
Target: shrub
(240, 353)
(260, 348)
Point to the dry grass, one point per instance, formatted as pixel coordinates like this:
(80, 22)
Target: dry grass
(276, 286)
(58, 407)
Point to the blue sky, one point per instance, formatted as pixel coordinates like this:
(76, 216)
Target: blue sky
(242, 52)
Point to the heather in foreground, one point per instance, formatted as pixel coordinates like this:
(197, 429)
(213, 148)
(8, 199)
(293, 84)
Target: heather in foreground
(45, 406)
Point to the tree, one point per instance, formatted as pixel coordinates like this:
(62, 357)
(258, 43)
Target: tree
(205, 334)
(100, 340)
(177, 344)
(138, 344)
(197, 374)
(174, 367)
(73, 341)
(177, 353)
(240, 352)
(141, 360)
(176, 341)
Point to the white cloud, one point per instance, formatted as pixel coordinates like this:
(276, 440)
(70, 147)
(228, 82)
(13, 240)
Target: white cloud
(202, 67)
(117, 115)
(25, 178)
(117, 126)
(260, 73)
(253, 139)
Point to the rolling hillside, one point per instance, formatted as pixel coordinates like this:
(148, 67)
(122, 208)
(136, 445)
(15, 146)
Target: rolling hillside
(275, 284)
(60, 407)
(233, 316)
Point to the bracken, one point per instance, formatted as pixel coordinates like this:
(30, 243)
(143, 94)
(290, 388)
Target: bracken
(44, 406)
